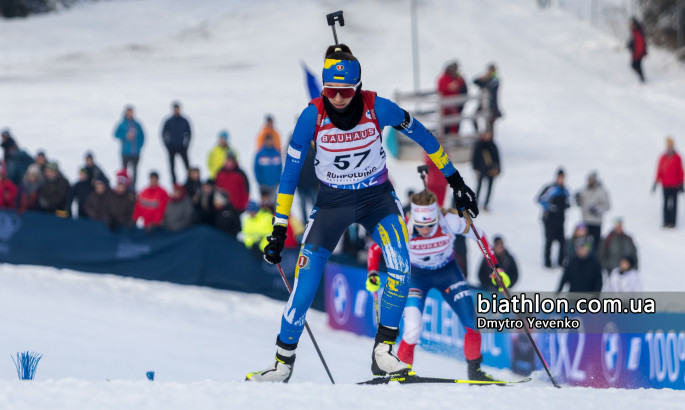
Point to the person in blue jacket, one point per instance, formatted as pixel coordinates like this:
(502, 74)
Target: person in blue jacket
(345, 124)
(130, 133)
(267, 167)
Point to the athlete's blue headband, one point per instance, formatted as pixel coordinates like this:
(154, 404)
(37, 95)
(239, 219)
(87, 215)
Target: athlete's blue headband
(341, 71)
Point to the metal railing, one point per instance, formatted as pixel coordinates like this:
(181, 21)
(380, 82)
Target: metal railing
(427, 106)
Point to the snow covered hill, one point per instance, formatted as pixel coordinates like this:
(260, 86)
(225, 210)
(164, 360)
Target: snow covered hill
(568, 96)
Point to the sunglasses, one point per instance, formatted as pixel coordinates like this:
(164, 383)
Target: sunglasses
(345, 92)
(430, 225)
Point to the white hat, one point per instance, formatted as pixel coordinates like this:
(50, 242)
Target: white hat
(424, 214)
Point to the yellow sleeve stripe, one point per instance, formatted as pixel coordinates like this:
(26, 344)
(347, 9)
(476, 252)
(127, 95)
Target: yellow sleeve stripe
(440, 158)
(283, 204)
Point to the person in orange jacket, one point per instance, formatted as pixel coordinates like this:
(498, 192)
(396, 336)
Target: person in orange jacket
(269, 129)
(151, 204)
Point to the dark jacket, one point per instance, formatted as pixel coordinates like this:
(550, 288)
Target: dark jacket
(555, 200)
(176, 132)
(614, 247)
(582, 275)
(96, 205)
(119, 209)
(192, 188)
(485, 159)
(178, 214)
(94, 172)
(204, 208)
(16, 164)
(79, 192)
(507, 263)
(227, 219)
(27, 196)
(53, 194)
(491, 84)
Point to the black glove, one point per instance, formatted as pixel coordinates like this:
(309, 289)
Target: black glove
(464, 197)
(272, 251)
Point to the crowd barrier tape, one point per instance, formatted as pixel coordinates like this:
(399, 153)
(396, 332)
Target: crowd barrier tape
(200, 255)
(653, 359)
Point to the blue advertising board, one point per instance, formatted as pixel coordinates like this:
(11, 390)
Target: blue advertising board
(653, 359)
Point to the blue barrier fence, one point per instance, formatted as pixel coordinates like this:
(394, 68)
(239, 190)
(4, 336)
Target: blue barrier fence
(200, 255)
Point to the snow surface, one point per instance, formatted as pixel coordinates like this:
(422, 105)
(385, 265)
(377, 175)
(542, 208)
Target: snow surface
(568, 96)
(100, 334)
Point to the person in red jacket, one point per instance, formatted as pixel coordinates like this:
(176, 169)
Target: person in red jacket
(151, 204)
(669, 173)
(233, 180)
(450, 84)
(638, 47)
(8, 191)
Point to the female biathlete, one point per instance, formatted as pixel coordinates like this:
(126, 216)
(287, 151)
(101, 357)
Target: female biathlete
(345, 125)
(431, 251)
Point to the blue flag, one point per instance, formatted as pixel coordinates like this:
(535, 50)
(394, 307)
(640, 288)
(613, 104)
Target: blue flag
(313, 85)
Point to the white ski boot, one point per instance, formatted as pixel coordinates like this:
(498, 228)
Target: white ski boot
(383, 360)
(282, 368)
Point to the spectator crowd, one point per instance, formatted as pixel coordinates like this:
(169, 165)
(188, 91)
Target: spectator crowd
(221, 200)
(590, 262)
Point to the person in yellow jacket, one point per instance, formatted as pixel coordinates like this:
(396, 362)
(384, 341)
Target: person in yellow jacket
(257, 225)
(217, 156)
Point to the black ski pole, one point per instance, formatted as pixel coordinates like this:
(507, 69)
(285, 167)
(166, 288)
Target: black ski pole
(331, 18)
(306, 326)
(505, 290)
(423, 171)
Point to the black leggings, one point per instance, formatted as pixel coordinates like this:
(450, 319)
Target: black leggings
(637, 66)
(480, 184)
(172, 156)
(670, 205)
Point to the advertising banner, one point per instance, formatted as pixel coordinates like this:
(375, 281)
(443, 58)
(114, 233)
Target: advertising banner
(653, 358)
